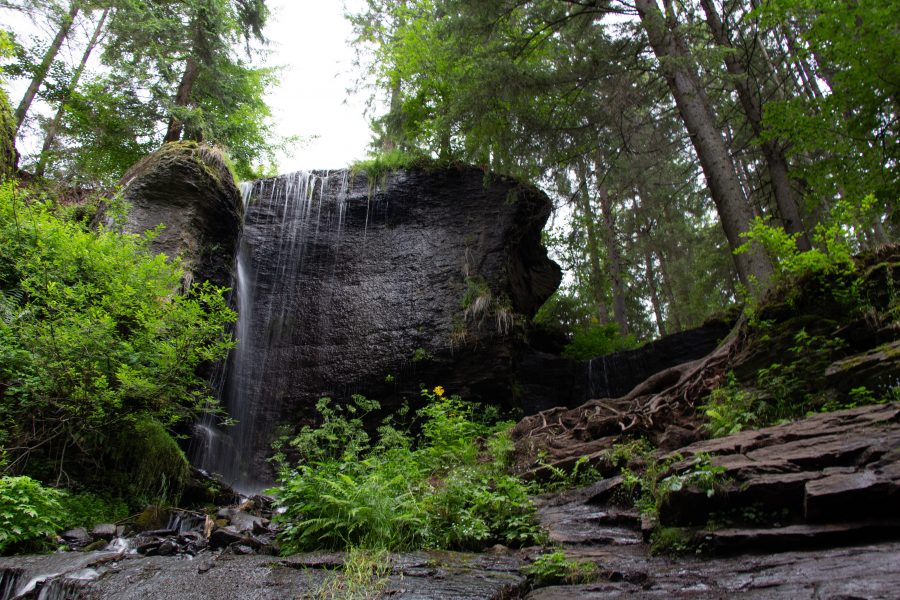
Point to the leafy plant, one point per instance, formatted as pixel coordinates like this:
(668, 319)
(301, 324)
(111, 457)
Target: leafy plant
(28, 512)
(554, 568)
(647, 484)
(834, 243)
(783, 391)
(364, 575)
(702, 474)
(598, 340)
(95, 340)
(582, 473)
(87, 509)
(445, 488)
(421, 355)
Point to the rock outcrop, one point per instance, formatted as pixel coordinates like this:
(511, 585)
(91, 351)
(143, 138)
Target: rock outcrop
(810, 507)
(187, 188)
(839, 469)
(347, 286)
(812, 345)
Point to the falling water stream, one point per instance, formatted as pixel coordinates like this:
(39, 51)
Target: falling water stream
(285, 220)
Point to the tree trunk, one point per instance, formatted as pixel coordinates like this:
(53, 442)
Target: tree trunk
(612, 254)
(53, 128)
(596, 278)
(753, 267)
(776, 162)
(183, 97)
(668, 290)
(394, 125)
(654, 291)
(49, 56)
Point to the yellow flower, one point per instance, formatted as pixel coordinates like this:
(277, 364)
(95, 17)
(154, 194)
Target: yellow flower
(438, 391)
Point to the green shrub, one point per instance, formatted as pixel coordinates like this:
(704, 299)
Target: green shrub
(598, 340)
(647, 485)
(554, 568)
(834, 244)
(93, 332)
(383, 164)
(783, 391)
(86, 509)
(445, 488)
(29, 512)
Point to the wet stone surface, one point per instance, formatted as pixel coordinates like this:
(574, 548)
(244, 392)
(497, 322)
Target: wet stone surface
(414, 576)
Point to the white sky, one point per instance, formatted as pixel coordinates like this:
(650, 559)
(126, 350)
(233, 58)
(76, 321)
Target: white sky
(311, 39)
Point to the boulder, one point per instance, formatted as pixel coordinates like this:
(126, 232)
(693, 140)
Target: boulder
(223, 537)
(187, 189)
(103, 531)
(76, 537)
(839, 467)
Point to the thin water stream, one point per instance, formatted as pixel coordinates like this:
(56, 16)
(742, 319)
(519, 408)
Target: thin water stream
(286, 219)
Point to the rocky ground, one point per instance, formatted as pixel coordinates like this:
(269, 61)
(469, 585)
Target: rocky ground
(805, 510)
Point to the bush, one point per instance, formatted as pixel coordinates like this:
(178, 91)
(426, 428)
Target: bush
(554, 568)
(93, 332)
(598, 340)
(445, 488)
(28, 512)
(86, 509)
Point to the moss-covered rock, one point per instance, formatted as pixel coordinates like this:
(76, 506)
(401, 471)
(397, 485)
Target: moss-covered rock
(146, 465)
(8, 156)
(188, 189)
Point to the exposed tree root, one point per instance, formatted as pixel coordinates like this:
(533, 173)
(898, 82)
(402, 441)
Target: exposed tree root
(661, 407)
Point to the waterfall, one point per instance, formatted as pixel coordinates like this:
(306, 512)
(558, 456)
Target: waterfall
(287, 220)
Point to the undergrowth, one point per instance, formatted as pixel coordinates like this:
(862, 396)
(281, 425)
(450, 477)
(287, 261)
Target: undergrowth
(554, 568)
(382, 164)
(446, 487)
(363, 576)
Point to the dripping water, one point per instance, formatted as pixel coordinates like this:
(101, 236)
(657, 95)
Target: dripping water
(285, 218)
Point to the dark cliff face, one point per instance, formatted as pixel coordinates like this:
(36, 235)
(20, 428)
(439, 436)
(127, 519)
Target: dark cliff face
(425, 278)
(187, 188)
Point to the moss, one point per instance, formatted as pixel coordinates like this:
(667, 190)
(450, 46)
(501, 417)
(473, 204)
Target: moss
(674, 541)
(8, 157)
(151, 467)
(212, 161)
(152, 517)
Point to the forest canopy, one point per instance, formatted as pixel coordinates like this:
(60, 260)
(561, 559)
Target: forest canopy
(665, 130)
(138, 74)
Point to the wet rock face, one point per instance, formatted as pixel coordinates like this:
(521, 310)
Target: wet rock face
(346, 287)
(189, 190)
(549, 380)
(615, 375)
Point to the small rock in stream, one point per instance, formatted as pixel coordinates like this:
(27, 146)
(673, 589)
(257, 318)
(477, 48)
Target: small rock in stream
(104, 531)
